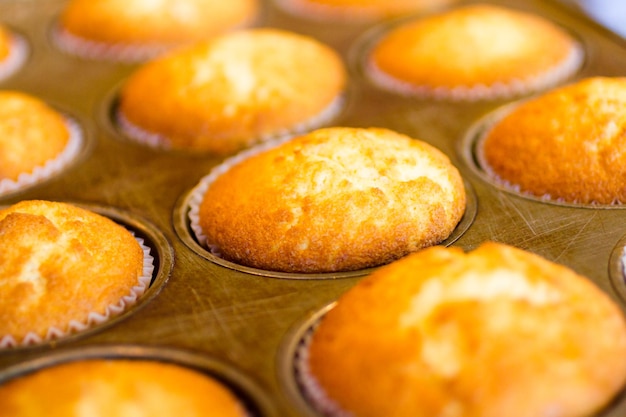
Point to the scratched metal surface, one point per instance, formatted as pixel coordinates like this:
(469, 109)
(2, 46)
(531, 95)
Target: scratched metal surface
(239, 319)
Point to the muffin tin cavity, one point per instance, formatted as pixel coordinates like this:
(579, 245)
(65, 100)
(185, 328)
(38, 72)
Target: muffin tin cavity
(360, 54)
(291, 366)
(158, 263)
(188, 229)
(252, 396)
(79, 145)
(470, 152)
(308, 400)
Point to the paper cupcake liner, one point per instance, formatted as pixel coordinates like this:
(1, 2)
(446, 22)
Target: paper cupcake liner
(128, 53)
(119, 52)
(623, 263)
(51, 167)
(311, 390)
(17, 56)
(93, 318)
(346, 14)
(477, 92)
(157, 140)
(197, 193)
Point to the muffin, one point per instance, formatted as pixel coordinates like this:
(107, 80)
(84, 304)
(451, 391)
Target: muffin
(359, 10)
(233, 91)
(336, 199)
(63, 268)
(35, 140)
(12, 52)
(119, 387)
(494, 332)
(5, 43)
(567, 144)
(140, 29)
(473, 52)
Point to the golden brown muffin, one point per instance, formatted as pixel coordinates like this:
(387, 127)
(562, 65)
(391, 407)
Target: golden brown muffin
(494, 332)
(567, 145)
(154, 25)
(120, 388)
(473, 52)
(360, 10)
(31, 134)
(336, 199)
(5, 44)
(228, 93)
(59, 263)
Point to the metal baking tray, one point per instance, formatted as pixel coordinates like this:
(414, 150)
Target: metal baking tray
(235, 322)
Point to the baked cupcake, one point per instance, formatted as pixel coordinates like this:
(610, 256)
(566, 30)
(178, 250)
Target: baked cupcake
(494, 332)
(336, 199)
(566, 145)
(36, 141)
(139, 29)
(12, 52)
(62, 269)
(359, 10)
(5, 43)
(118, 388)
(233, 91)
(473, 52)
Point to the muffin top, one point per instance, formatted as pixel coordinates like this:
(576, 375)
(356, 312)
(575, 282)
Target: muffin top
(118, 387)
(336, 199)
(232, 91)
(156, 23)
(473, 52)
(497, 331)
(31, 134)
(360, 10)
(58, 263)
(567, 144)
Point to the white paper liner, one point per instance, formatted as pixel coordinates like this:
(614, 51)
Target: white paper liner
(513, 88)
(197, 193)
(119, 52)
(157, 140)
(623, 264)
(515, 188)
(310, 388)
(129, 53)
(93, 318)
(52, 166)
(18, 52)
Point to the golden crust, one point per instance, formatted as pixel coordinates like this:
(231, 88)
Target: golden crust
(567, 143)
(360, 9)
(238, 89)
(495, 332)
(121, 388)
(59, 263)
(31, 134)
(336, 199)
(160, 22)
(478, 45)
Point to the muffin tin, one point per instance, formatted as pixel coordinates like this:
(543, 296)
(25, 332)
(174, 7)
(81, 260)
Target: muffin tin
(242, 319)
